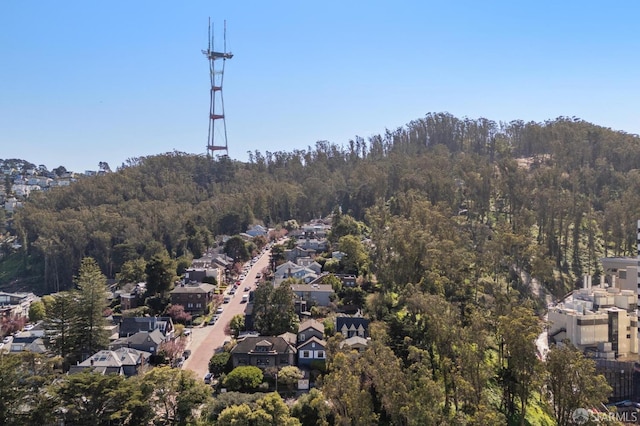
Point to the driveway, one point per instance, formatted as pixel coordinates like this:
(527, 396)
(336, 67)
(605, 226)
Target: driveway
(206, 339)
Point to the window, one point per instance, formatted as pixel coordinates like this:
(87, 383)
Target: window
(320, 354)
(305, 354)
(189, 305)
(198, 305)
(302, 337)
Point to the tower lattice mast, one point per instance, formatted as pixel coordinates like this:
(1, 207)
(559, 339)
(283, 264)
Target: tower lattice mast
(216, 106)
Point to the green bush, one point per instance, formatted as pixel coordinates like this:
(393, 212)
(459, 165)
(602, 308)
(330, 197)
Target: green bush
(243, 378)
(220, 363)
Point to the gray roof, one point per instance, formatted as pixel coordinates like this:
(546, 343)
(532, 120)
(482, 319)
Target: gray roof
(354, 341)
(314, 339)
(141, 338)
(276, 343)
(322, 288)
(118, 358)
(132, 325)
(194, 289)
(311, 323)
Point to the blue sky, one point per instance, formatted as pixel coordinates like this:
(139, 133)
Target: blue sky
(83, 82)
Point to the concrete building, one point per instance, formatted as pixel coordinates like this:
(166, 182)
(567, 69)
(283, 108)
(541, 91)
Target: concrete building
(597, 320)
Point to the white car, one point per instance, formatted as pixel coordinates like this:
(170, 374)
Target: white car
(28, 327)
(219, 310)
(6, 339)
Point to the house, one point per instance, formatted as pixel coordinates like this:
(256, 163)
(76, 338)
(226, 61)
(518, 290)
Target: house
(292, 270)
(257, 230)
(355, 343)
(28, 341)
(132, 325)
(124, 361)
(147, 341)
(194, 297)
(16, 304)
(319, 245)
(131, 295)
(311, 343)
(263, 352)
(310, 328)
(347, 280)
(292, 255)
(291, 338)
(352, 326)
(311, 351)
(308, 295)
(308, 262)
(199, 274)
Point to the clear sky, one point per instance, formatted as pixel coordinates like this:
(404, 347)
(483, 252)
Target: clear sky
(89, 81)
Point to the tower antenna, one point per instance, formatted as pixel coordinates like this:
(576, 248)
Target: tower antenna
(216, 105)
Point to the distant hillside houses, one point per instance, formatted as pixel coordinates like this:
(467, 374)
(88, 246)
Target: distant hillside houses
(25, 178)
(16, 304)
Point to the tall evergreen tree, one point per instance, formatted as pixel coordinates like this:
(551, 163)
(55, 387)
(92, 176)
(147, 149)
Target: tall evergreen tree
(89, 328)
(61, 312)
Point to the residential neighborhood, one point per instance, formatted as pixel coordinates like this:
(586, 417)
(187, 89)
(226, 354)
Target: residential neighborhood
(201, 299)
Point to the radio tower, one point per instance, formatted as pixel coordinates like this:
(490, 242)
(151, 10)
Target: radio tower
(216, 106)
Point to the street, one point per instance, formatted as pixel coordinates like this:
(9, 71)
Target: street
(206, 339)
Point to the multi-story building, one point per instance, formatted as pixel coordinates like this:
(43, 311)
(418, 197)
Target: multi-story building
(602, 322)
(194, 297)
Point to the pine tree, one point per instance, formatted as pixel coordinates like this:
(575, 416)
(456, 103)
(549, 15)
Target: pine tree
(89, 327)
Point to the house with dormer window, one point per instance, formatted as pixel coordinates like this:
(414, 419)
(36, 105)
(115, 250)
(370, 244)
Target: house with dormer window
(263, 352)
(352, 326)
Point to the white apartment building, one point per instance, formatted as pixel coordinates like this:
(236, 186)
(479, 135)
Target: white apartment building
(599, 320)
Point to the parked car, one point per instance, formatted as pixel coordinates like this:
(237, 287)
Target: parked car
(186, 354)
(219, 310)
(6, 339)
(28, 327)
(247, 288)
(207, 378)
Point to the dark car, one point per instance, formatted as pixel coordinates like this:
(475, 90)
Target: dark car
(186, 354)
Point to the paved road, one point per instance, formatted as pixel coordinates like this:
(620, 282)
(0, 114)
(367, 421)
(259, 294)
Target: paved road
(206, 339)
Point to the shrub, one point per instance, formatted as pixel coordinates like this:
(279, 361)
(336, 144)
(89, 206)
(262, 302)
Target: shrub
(243, 378)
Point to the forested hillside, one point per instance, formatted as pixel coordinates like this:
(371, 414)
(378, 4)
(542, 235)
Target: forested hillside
(546, 196)
(448, 216)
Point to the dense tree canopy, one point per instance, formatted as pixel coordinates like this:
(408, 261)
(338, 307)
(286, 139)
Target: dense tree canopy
(447, 221)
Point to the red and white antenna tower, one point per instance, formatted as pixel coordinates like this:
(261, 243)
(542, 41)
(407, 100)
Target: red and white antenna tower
(216, 107)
